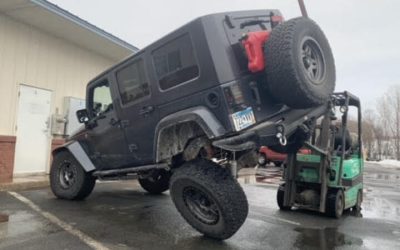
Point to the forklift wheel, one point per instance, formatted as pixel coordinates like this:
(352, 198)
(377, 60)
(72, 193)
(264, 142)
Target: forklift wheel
(357, 207)
(335, 204)
(279, 198)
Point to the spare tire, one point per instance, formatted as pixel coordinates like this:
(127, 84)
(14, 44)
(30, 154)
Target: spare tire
(300, 68)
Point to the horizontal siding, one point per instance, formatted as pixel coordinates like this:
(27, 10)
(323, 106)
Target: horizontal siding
(32, 57)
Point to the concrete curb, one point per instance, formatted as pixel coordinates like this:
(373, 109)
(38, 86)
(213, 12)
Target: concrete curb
(20, 186)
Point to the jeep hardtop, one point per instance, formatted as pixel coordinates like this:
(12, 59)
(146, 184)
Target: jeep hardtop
(188, 111)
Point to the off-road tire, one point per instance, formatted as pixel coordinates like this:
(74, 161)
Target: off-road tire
(157, 183)
(286, 69)
(335, 203)
(81, 184)
(221, 191)
(279, 198)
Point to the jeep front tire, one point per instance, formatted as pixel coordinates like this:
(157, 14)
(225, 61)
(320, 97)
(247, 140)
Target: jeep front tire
(68, 179)
(209, 198)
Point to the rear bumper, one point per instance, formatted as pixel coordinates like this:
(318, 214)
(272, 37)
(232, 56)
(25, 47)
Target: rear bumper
(265, 134)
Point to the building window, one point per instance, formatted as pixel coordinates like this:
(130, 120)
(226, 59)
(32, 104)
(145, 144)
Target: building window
(132, 82)
(175, 62)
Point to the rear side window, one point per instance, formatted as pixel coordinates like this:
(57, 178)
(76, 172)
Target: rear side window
(175, 62)
(132, 82)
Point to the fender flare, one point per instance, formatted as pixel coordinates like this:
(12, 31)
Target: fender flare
(75, 148)
(206, 120)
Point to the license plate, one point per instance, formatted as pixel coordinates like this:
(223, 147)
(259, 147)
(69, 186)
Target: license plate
(243, 119)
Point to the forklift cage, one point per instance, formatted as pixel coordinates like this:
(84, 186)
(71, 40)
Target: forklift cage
(343, 100)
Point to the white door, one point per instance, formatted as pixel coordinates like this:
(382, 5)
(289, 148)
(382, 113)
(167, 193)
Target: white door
(33, 133)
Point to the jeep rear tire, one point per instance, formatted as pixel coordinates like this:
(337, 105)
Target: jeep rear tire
(68, 179)
(209, 198)
(300, 68)
(157, 182)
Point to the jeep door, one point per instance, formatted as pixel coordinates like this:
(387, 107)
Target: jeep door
(105, 140)
(138, 115)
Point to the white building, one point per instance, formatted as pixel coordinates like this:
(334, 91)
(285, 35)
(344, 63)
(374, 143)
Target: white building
(46, 55)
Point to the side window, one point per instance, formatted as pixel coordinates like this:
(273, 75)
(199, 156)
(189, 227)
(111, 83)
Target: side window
(132, 82)
(175, 62)
(100, 100)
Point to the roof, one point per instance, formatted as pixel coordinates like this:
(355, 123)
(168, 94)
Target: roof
(52, 19)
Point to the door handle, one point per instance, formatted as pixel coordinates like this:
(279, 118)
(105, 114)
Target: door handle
(146, 110)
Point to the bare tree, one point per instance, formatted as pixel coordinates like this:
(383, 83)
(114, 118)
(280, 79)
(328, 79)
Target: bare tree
(368, 135)
(373, 134)
(379, 137)
(389, 112)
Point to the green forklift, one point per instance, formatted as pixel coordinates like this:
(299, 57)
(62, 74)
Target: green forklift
(328, 179)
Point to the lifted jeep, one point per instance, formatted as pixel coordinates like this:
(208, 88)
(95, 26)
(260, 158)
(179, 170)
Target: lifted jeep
(188, 111)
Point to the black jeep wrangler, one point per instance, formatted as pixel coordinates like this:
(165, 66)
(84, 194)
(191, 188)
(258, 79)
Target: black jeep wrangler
(188, 111)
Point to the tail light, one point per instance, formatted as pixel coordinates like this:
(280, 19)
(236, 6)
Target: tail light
(233, 95)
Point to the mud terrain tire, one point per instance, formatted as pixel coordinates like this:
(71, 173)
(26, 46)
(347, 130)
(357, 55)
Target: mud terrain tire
(209, 198)
(68, 179)
(300, 68)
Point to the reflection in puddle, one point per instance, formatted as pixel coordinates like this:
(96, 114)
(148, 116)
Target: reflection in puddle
(324, 239)
(21, 223)
(3, 218)
(356, 213)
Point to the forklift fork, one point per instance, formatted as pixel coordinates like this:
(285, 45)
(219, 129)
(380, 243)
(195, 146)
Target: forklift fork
(322, 147)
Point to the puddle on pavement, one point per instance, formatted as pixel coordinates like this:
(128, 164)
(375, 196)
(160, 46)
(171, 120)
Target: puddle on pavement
(324, 239)
(3, 218)
(22, 223)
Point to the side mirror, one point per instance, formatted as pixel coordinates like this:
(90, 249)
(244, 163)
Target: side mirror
(82, 115)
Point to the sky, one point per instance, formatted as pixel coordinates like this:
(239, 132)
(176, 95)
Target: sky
(364, 34)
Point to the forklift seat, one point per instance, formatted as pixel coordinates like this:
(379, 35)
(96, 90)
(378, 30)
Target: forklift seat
(338, 142)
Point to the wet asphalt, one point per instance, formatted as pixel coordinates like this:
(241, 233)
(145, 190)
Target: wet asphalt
(120, 215)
